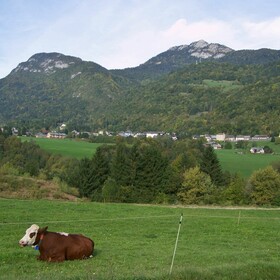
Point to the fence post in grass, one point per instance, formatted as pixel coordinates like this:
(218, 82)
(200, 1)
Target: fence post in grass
(239, 216)
(176, 243)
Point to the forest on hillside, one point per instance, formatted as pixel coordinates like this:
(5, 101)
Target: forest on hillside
(209, 97)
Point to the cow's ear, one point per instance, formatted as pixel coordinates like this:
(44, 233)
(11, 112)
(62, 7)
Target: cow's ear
(44, 229)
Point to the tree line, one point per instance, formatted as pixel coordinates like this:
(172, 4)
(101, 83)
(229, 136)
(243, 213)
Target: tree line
(144, 171)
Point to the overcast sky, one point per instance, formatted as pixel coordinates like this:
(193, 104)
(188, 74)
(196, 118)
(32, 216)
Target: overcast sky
(126, 33)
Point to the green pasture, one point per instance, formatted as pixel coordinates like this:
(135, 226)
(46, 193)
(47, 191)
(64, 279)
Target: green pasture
(66, 147)
(137, 242)
(245, 163)
(226, 85)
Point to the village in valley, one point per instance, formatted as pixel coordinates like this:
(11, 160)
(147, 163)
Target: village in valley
(213, 140)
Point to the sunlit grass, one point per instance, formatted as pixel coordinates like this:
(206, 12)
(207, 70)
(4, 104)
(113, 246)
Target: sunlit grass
(244, 163)
(66, 147)
(137, 242)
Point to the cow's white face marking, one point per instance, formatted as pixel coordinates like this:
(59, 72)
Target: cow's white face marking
(30, 236)
(63, 233)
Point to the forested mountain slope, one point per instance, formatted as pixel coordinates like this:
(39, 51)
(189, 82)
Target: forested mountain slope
(209, 97)
(51, 88)
(197, 88)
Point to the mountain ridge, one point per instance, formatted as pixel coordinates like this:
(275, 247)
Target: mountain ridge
(177, 57)
(173, 58)
(191, 86)
(49, 63)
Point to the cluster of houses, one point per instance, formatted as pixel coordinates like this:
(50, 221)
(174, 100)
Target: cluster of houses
(215, 140)
(222, 137)
(148, 134)
(53, 134)
(61, 135)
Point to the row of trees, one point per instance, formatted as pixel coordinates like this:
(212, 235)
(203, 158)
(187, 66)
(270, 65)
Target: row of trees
(164, 172)
(145, 171)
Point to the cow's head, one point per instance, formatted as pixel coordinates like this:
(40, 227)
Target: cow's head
(31, 233)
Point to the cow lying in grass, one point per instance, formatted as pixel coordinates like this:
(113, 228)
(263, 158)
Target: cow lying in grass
(57, 246)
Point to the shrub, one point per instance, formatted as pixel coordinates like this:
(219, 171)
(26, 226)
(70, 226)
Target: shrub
(264, 186)
(196, 187)
(9, 169)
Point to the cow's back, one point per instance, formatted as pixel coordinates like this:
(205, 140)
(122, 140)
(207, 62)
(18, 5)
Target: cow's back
(78, 247)
(59, 247)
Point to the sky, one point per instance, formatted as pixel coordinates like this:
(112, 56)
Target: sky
(126, 33)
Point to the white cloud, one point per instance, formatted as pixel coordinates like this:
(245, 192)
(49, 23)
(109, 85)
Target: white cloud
(263, 34)
(183, 32)
(238, 34)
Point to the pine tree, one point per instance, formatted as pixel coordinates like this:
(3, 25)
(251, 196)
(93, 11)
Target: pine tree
(151, 172)
(84, 178)
(211, 166)
(123, 167)
(93, 173)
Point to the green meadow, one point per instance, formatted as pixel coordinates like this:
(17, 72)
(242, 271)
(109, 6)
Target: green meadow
(66, 147)
(137, 241)
(244, 163)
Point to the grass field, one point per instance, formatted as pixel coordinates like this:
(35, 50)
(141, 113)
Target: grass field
(66, 147)
(137, 242)
(245, 163)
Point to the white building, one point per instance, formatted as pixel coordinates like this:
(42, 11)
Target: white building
(257, 150)
(221, 137)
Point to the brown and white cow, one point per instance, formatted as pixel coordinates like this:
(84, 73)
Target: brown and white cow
(57, 246)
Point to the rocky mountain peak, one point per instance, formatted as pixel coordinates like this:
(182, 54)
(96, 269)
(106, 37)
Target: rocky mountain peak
(47, 63)
(202, 49)
(199, 44)
(186, 54)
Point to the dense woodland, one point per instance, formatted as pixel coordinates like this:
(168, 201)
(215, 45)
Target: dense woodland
(139, 171)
